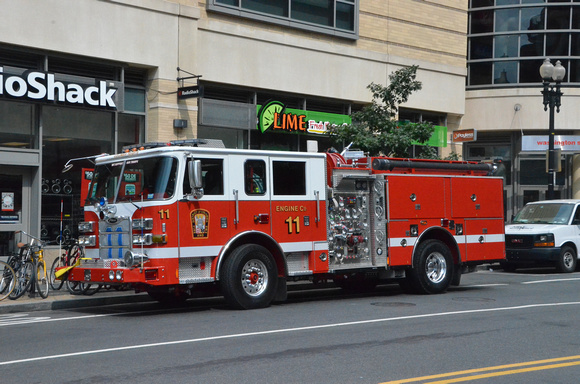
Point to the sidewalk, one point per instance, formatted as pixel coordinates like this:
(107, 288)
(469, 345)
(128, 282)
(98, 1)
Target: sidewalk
(62, 299)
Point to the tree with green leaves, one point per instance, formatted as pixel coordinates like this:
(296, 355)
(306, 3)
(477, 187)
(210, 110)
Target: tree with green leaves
(374, 128)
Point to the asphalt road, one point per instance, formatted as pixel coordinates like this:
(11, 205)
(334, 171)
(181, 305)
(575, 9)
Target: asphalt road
(496, 327)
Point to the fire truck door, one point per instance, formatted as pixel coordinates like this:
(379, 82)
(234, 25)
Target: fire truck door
(205, 224)
(250, 186)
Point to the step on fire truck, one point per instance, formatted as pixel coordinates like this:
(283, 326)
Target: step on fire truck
(174, 219)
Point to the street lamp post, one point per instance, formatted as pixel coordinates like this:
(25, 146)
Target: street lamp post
(552, 99)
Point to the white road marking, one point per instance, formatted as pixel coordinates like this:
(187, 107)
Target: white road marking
(550, 281)
(280, 331)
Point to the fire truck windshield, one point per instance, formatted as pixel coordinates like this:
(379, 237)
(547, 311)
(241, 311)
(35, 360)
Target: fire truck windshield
(147, 179)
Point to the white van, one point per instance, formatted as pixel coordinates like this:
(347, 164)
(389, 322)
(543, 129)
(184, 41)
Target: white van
(544, 233)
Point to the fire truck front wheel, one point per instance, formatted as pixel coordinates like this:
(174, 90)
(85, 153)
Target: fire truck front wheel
(249, 277)
(433, 267)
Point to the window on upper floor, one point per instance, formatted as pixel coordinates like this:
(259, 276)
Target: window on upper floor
(509, 39)
(333, 17)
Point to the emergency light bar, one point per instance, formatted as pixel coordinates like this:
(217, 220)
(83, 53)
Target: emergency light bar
(210, 143)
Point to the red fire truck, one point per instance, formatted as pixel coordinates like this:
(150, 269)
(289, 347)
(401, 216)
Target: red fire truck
(178, 218)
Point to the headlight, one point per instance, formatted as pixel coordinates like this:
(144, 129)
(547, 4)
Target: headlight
(145, 239)
(545, 240)
(145, 224)
(86, 226)
(88, 241)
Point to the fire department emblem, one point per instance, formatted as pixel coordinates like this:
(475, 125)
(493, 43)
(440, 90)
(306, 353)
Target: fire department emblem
(200, 223)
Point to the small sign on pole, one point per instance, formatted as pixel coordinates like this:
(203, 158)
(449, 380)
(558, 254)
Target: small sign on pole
(189, 92)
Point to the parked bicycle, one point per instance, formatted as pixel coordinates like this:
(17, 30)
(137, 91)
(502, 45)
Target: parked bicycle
(73, 252)
(7, 280)
(30, 268)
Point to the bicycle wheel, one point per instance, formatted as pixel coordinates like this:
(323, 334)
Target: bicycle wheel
(55, 283)
(7, 280)
(24, 276)
(73, 253)
(41, 279)
(90, 289)
(74, 287)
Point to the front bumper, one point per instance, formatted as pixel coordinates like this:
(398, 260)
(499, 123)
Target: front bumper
(151, 276)
(532, 255)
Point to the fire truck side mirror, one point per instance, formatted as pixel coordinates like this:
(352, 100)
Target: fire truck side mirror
(195, 178)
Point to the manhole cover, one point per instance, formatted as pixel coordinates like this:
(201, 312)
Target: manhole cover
(474, 299)
(389, 304)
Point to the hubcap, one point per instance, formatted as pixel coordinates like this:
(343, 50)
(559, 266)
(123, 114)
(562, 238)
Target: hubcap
(436, 267)
(568, 260)
(254, 277)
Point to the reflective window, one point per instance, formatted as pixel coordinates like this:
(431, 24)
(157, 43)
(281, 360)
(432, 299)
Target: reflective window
(289, 178)
(505, 72)
(506, 46)
(151, 178)
(506, 20)
(212, 175)
(18, 125)
(337, 17)
(525, 32)
(255, 177)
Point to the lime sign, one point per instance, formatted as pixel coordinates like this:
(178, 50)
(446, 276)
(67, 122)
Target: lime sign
(268, 114)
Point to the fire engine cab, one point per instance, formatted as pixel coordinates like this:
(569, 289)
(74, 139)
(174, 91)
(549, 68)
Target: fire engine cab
(177, 218)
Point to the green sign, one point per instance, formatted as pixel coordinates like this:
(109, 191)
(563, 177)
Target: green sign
(274, 116)
(437, 139)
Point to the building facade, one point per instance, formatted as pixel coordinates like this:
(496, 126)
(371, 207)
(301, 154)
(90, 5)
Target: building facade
(508, 41)
(90, 76)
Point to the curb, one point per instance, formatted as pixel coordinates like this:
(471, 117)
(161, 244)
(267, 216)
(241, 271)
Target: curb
(59, 302)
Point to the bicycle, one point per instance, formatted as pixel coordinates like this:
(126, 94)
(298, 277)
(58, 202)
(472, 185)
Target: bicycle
(73, 253)
(66, 259)
(7, 280)
(30, 269)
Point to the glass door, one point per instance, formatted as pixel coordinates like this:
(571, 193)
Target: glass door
(15, 199)
(533, 181)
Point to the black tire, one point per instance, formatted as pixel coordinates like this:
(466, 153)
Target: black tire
(24, 276)
(249, 277)
(42, 279)
(56, 284)
(456, 278)
(567, 261)
(432, 268)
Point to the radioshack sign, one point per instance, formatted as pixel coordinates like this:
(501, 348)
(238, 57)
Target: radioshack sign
(42, 86)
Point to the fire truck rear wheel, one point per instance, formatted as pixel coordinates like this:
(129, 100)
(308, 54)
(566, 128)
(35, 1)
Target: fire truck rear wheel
(249, 277)
(433, 267)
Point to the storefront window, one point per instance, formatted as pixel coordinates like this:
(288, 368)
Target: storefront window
(18, 125)
(134, 100)
(130, 130)
(232, 138)
(11, 199)
(68, 133)
(533, 172)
